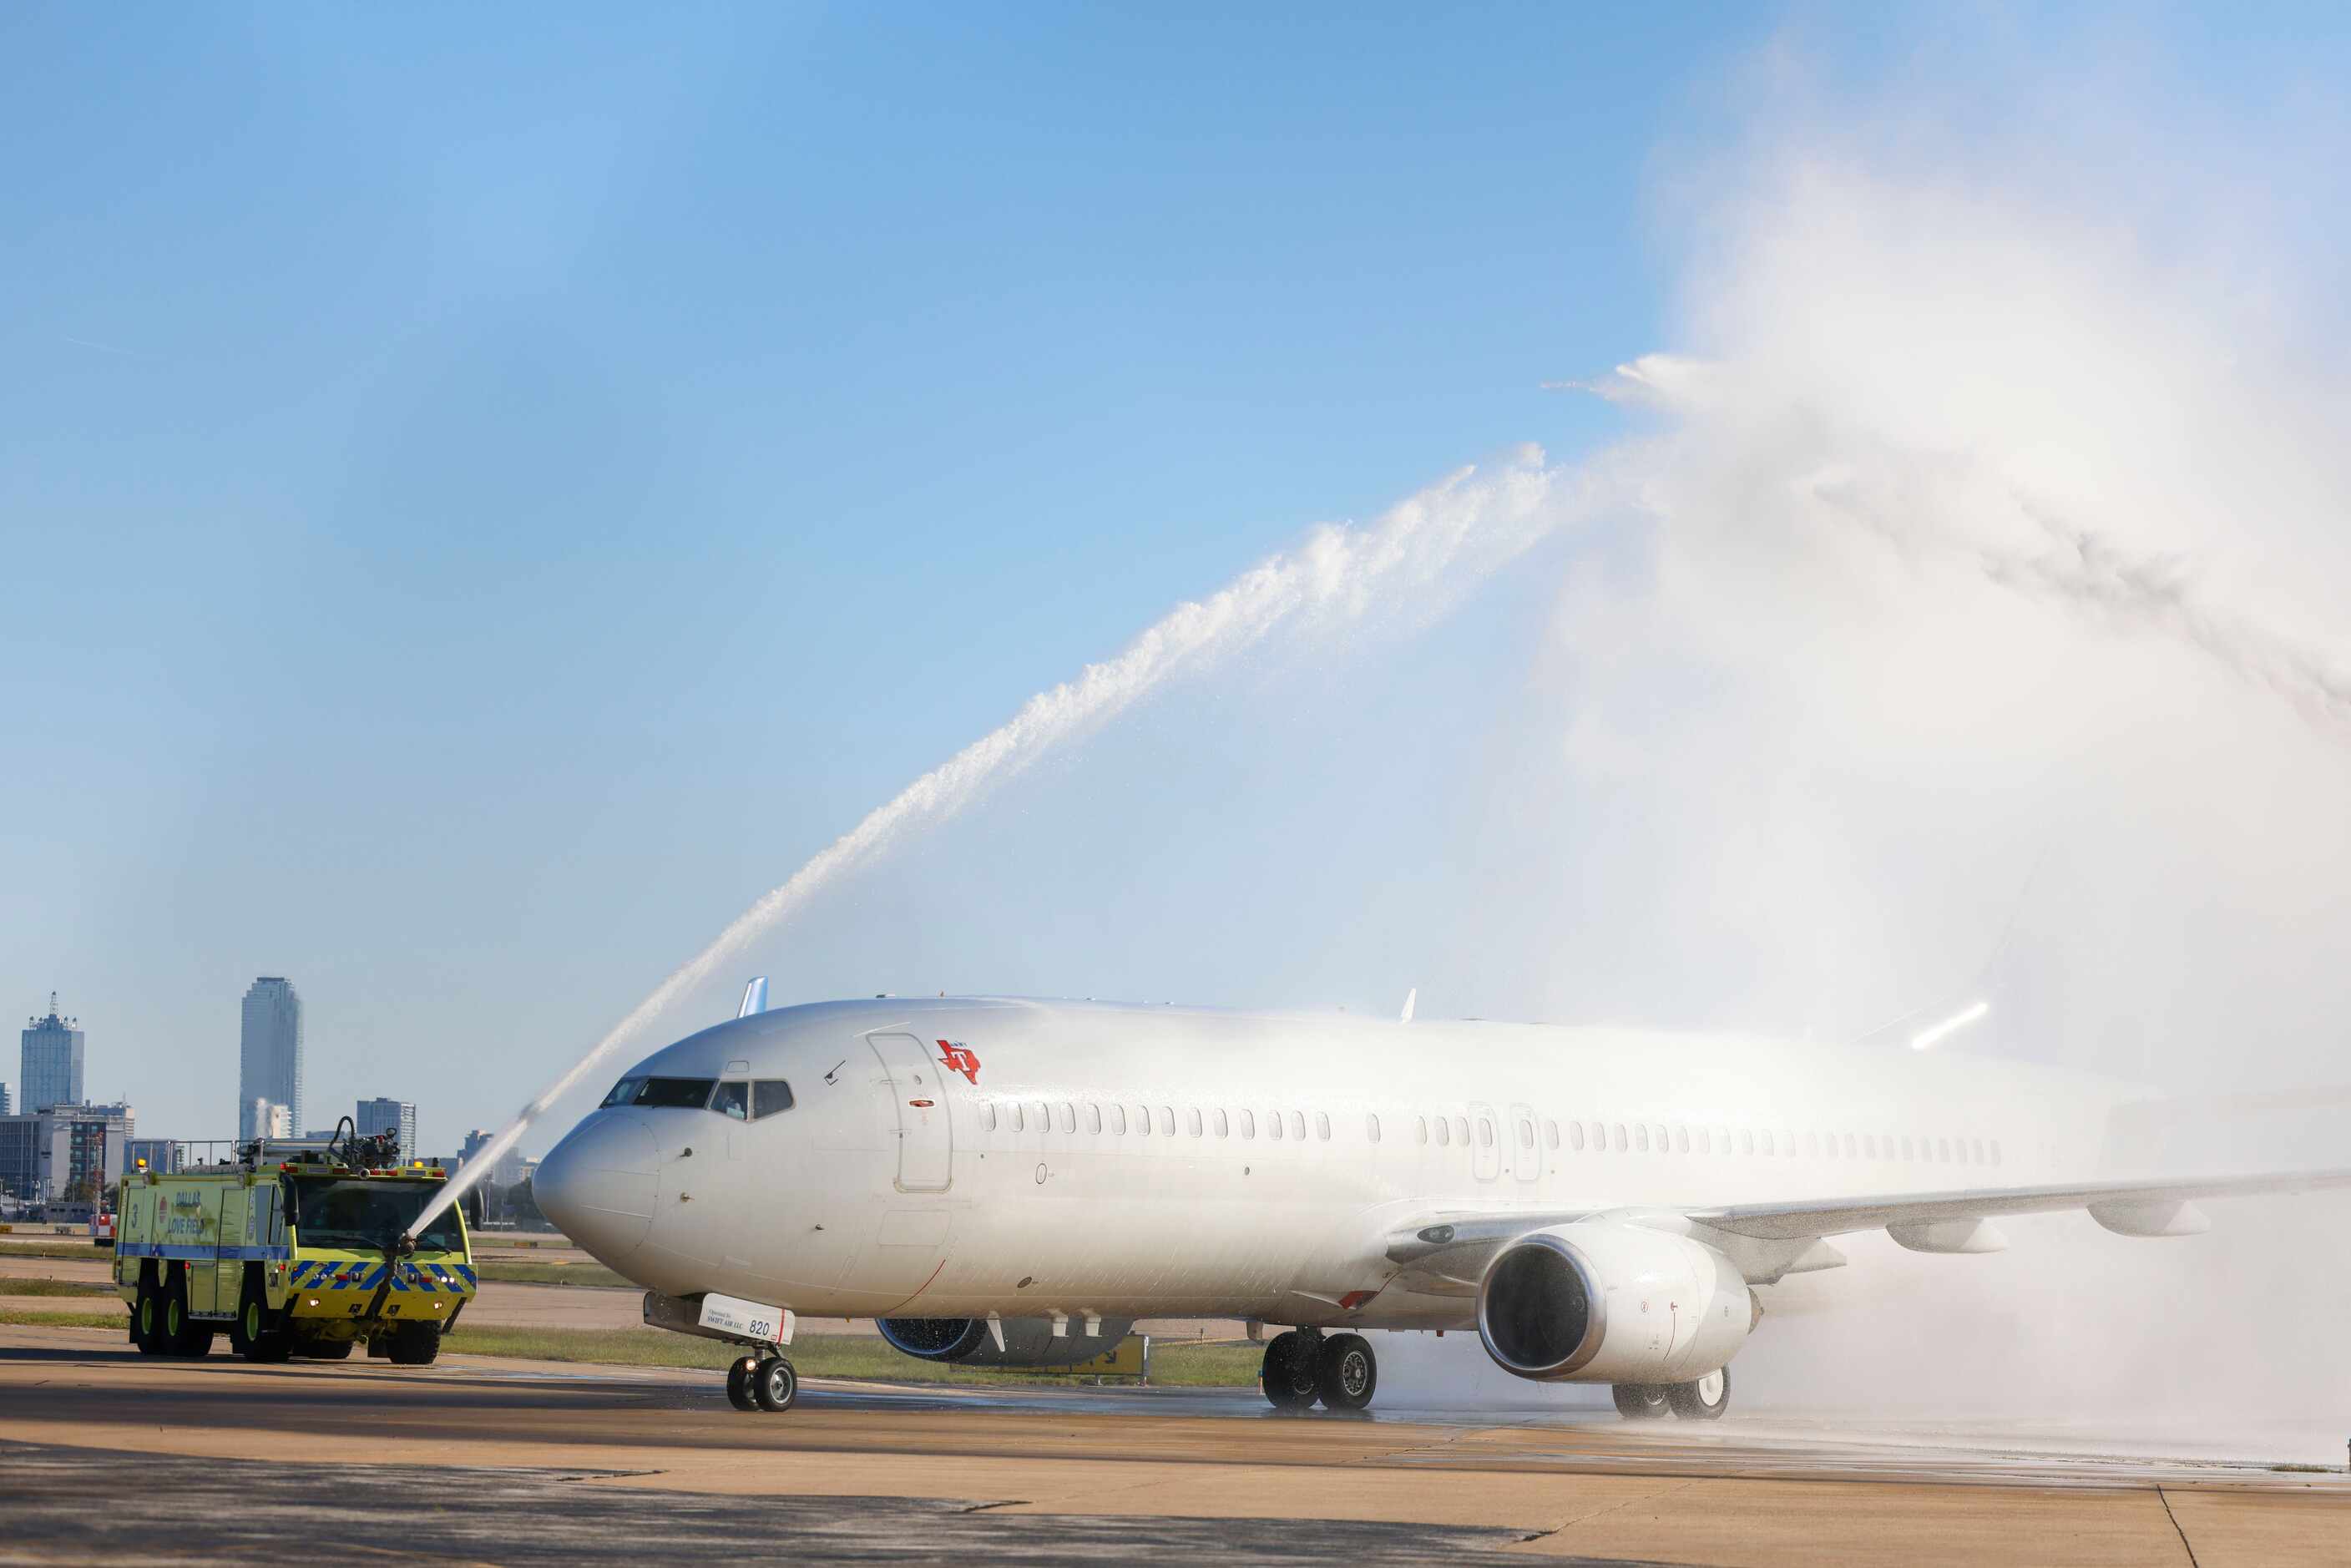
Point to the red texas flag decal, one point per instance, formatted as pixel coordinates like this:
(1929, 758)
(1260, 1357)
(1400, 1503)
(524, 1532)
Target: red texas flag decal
(959, 1058)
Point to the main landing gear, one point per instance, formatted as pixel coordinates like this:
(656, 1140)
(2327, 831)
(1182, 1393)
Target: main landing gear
(1303, 1365)
(1703, 1400)
(762, 1383)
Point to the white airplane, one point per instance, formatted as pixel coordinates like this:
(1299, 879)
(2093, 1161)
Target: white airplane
(1003, 1181)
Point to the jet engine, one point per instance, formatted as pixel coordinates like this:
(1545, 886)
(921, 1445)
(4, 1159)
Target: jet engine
(1027, 1341)
(1603, 1301)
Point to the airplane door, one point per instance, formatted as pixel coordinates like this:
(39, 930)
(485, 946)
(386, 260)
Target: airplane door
(1485, 1142)
(925, 1136)
(1526, 1142)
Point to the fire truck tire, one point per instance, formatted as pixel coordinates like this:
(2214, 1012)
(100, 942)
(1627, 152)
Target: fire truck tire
(415, 1345)
(183, 1335)
(326, 1349)
(147, 1320)
(257, 1334)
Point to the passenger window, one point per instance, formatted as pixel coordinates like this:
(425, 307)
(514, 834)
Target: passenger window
(733, 1099)
(1248, 1124)
(1640, 1138)
(1658, 1137)
(1118, 1120)
(1746, 1140)
(1461, 1131)
(988, 1116)
(1298, 1125)
(1371, 1126)
(1995, 1151)
(1485, 1133)
(1094, 1117)
(1705, 1141)
(1420, 1129)
(1767, 1140)
(1444, 1134)
(770, 1095)
(1575, 1136)
(1321, 1126)
(1963, 1151)
(1143, 1120)
(1192, 1120)
(1551, 1133)
(1943, 1150)
(1681, 1139)
(1906, 1152)
(1273, 1123)
(1619, 1142)
(1016, 1117)
(1166, 1122)
(1041, 1116)
(1850, 1152)
(1979, 1151)
(1723, 1137)
(1067, 1117)
(1224, 1126)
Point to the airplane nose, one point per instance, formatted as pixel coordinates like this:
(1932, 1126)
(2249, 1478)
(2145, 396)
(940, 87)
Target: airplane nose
(597, 1185)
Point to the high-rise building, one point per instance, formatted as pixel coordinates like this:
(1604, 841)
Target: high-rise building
(269, 1063)
(52, 1061)
(22, 1156)
(4, 1100)
(263, 1118)
(475, 1142)
(396, 1116)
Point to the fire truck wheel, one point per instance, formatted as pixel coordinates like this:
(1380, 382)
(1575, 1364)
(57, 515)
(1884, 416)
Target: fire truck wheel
(415, 1345)
(328, 1349)
(147, 1320)
(251, 1322)
(739, 1382)
(183, 1335)
(775, 1385)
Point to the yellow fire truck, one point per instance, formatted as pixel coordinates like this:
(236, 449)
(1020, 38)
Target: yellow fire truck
(306, 1255)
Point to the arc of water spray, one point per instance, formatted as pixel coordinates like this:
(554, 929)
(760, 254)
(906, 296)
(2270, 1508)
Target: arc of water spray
(1433, 545)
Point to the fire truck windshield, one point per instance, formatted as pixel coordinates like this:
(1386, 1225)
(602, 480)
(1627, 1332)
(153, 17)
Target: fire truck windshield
(366, 1215)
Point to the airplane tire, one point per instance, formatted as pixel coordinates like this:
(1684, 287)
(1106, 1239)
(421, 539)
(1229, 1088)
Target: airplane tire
(1640, 1401)
(774, 1386)
(1704, 1400)
(739, 1382)
(1346, 1372)
(1286, 1376)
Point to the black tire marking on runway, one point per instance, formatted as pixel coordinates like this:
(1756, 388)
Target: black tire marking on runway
(2175, 1527)
(65, 1504)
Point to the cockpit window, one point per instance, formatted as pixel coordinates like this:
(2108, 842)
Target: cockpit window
(624, 1093)
(770, 1095)
(667, 1093)
(733, 1099)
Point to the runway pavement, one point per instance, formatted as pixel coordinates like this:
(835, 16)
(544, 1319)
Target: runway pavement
(110, 1455)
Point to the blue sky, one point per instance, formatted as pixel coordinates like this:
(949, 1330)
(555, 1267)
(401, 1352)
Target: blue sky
(488, 492)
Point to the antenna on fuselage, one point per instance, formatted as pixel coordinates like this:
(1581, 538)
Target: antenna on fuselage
(1410, 996)
(755, 999)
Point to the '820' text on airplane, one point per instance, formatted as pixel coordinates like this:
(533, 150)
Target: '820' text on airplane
(1013, 1182)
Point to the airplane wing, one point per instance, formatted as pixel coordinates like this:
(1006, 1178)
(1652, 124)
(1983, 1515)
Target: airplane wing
(1446, 1252)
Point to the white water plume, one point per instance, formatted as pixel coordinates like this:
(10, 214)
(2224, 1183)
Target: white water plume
(1417, 558)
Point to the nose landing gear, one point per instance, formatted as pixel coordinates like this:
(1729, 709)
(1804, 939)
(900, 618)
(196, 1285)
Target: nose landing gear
(762, 1383)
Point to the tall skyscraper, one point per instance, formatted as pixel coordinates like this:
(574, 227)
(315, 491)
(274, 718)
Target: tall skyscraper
(51, 1074)
(388, 1116)
(269, 1064)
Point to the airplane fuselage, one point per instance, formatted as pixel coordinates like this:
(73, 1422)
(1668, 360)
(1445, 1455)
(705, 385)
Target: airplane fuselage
(955, 1157)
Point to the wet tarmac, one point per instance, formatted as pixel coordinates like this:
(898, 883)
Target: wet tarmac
(508, 1460)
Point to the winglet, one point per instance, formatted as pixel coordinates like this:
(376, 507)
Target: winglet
(1410, 996)
(755, 997)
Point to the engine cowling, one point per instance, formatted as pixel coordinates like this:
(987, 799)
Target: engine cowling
(1027, 1341)
(1605, 1302)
